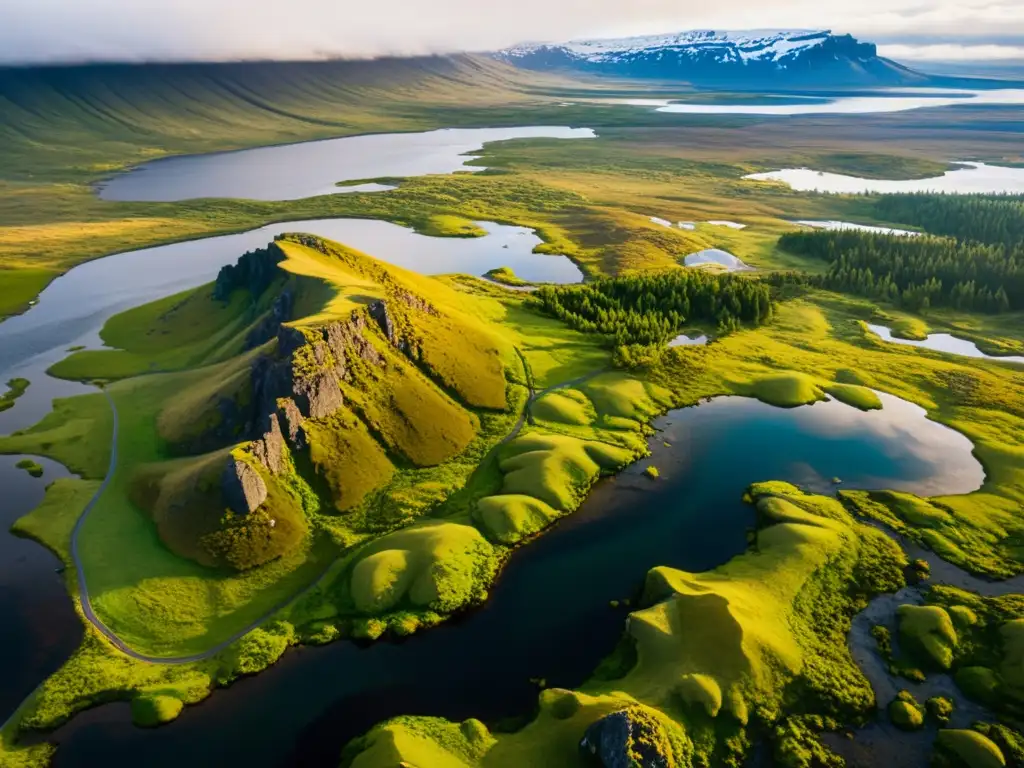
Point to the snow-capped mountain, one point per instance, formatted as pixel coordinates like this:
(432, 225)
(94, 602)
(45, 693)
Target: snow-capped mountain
(706, 56)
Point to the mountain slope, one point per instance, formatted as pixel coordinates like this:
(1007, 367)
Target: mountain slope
(792, 57)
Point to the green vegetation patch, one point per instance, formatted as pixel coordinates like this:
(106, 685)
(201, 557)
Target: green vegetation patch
(786, 390)
(506, 276)
(715, 654)
(30, 466)
(906, 713)
(971, 748)
(928, 633)
(15, 389)
(153, 709)
(436, 566)
(510, 519)
(859, 397)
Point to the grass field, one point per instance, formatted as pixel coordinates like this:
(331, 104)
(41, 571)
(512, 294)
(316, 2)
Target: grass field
(410, 496)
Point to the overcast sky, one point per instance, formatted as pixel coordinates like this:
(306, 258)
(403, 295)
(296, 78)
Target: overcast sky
(74, 30)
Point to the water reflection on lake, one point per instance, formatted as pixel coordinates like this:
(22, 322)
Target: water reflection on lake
(973, 178)
(849, 225)
(944, 342)
(312, 168)
(716, 256)
(887, 100)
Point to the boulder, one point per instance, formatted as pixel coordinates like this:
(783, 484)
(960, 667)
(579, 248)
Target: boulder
(269, 326)
(319, 395)
(243, 488)
(620, 739)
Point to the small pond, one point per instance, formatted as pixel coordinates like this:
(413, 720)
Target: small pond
(849, 225)
(971, 178)
(549, 615)
(887, 100)
(716, 256)
(308, 169)
(682, 340)
(944, 342)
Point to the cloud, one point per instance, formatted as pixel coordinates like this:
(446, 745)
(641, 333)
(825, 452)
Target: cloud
(69, 30)
(952, 52)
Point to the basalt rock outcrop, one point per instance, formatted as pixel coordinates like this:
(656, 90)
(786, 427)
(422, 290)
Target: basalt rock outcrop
(627, 739)
(254, 271)
(243, 488)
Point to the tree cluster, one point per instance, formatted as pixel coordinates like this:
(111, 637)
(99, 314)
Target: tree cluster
(651, 308)
(917, 272)
(991, 219)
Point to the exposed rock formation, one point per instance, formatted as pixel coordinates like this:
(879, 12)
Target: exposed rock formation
(289, 414)
(254, 271)
(243, 488)
(269, 450)
(379, 311)
(267, 328)
(626, 739)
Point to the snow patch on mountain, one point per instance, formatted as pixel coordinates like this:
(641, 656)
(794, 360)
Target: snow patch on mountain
(753, 45)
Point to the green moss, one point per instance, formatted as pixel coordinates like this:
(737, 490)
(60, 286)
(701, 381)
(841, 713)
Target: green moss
(652, 472)
(562, 407)
(511, 518)
(31, 467)
(928, 633)
(940, 708)
(972, 748)
(786, 390)
(506, 276)
(150, 710)
(859, 397)
(15, 389)
(979, 683)
(906, 713)
(446, 225)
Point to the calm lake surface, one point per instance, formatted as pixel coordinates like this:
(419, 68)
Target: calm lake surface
(309, 169)
(889, 100)
(973, 178)
(849, 225)
(41, 630)
(944, 342)
(549, 615)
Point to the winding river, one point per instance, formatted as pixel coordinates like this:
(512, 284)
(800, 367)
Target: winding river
(549, 615)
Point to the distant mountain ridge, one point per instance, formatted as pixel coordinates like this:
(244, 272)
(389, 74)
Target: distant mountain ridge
(794, 57)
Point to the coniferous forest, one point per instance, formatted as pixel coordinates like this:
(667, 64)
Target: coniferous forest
(650, 308)
(916, 272)
(996, 220)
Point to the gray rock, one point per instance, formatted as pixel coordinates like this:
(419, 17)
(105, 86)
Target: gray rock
(269, 326)
(609, 741)
(242, 486)
(382, 315)
(269, 450)
(290, 416)
(319, 396)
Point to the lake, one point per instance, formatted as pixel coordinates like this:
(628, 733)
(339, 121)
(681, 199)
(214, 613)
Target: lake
(885, 100)
(972, 178)
(41, 629)
(312, 168)
(944, 342)
(549, 614)
(849, 225)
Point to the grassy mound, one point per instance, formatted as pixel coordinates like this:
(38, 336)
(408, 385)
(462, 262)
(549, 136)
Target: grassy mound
(184, 498)
(30, 466)
(564, 406)
(858, 397)
(908, 327)
(928, 632)
(971, 748)
(512, 518)
(715, 654)
(446, 225)
(618, 395)
(786, 390)
(557, 469)
(507, 276)
(436, 566)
